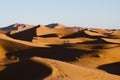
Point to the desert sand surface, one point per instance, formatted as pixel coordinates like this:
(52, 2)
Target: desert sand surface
(58, 52)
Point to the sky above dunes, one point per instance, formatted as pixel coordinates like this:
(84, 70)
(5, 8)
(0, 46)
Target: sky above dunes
(85, 13)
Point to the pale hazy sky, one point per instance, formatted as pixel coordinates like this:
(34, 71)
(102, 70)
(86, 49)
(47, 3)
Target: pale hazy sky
(86, 13)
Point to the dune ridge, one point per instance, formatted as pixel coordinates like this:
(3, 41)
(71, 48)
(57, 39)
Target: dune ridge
(58, 52)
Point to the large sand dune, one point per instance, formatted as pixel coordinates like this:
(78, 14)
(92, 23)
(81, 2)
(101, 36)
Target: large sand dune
(58, 52)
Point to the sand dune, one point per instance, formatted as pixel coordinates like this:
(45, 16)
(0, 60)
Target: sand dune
(65, 71)
(93, 33)
(26, 35)
(101, 31)
(104, 54)
(8, 45)
(54, 40)
(14, 28)
(60, 32)
(56, 25)
(112, 40)
(58, 52)
(25, 70)
(47, 69)
(115, 34)
(4, 31)
(84, 33)
(40, 31)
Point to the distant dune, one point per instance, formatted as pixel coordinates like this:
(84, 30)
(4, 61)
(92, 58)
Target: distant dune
(58, 52)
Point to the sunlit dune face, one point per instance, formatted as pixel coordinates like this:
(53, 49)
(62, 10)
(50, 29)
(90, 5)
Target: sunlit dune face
(58, 52)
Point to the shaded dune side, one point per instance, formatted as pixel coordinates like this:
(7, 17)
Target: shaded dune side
(112, 68)
(59, 52)
(25, 70)
(81, 33)
(26, 35)
(49, 35)
(10, 27)
(52, 25)
(17, 27)
(7, 45)
(65, 71)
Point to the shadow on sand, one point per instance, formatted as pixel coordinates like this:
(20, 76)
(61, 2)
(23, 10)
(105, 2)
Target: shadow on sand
(25, 70)
(58, 52)
(113, 68)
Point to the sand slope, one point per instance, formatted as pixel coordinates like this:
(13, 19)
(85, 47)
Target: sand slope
(58, 52)
(65, 71)
(9, 45)
(47, 69)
